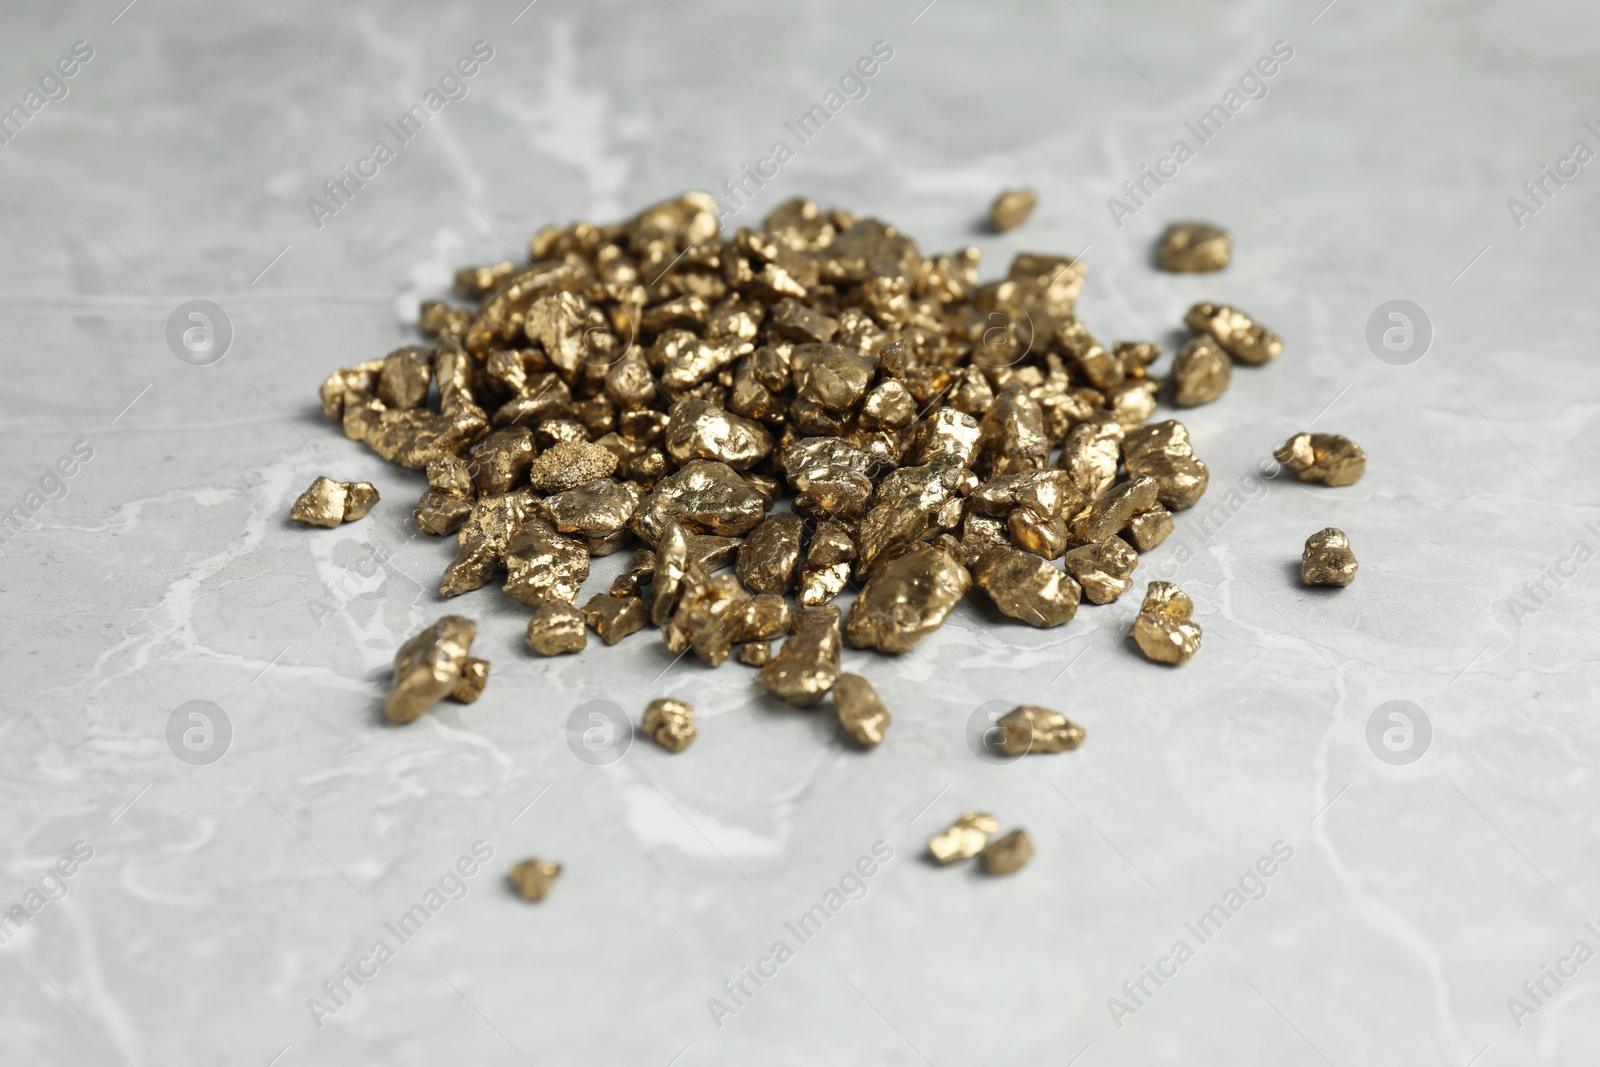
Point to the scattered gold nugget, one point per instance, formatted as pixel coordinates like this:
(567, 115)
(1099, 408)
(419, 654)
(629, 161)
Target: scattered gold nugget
(861, 713)
(1012, 208)
(1327, 559)
(532, 878)
(670, 724)
(1034, 729)
(430, 667)
(1200, 373)
(556, 629)
(1239, 335)
(1324, 458)
(1163, 630)
(474, 677)
(964, 839)
(807, 665)
(329, 503)
(1007, 854)
(1189, 247)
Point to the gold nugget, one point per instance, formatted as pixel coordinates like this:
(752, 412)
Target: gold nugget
(1239, 335)
(430, 667)
(1327, 559)
(1163, 630)
(1189, 247)
(1034, 729)
(556, 629)
(532, 878)
(1323, 458)
(906, 599)
(862, 715)
(1026, 587)
(670, 724)
(329, 503)
(1104, 568)
(474, 678)
(807, 665)
(1200, 373)
(964, 839)
(1007, 854)
(615, 617)
(1012, 208)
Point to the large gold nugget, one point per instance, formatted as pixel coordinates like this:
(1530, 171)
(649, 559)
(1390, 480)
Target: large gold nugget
(1200, 373)
(1192, 247)
(670, 724)
(1239, 335)
(1026, 587)
(1104, 568)
(862, 715)
(807, 665)
(556, 629)
(1162, 451)
(1012, 208)
(1110, 513)
(1324, 458)
(1327, 559)
(429, 667)
(770, 558)
(906, 599)
(544, 566)
(1163, 630)
(532, 878)
(698, 430)
(964, 839)
(706, 497)
(1034, 729)
(329, 503)
(1007, 854)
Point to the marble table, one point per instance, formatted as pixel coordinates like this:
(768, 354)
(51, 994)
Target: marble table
(1251, 860)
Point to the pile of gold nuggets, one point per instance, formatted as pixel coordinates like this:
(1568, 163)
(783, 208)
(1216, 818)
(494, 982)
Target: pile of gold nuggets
(651, 385)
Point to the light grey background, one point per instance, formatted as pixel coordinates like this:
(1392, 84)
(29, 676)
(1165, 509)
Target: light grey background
(1419, 898)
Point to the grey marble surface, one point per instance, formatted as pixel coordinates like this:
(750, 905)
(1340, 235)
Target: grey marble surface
(218, 899)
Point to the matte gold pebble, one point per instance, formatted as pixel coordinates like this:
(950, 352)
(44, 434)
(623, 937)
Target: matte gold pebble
(329, 503)
(1194, 247)
(1327, 559)
(1163, 630)
(862, 715)
(1007, 854)
(1323, 458)
(429, 667)
(670, 724)
(532, 878)
(1012, 208)
(964, 838)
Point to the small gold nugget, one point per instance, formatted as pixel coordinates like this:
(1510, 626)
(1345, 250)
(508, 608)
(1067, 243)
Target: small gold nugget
(964, 839)
(431, 666)
(1163, 629)
(474, 677)
(1103, 568)
(1190, 247)
(1239, 335)
(670, 724)
(1327, 559)
(556, 629)
(861, 713)
(1324, 458)
(1012, 208)
(1034, 729)
(755, 653)
(1201, 372)
(615, 617)
(329, 503)
(532, 878)
(1008, 854)
(807, 665)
